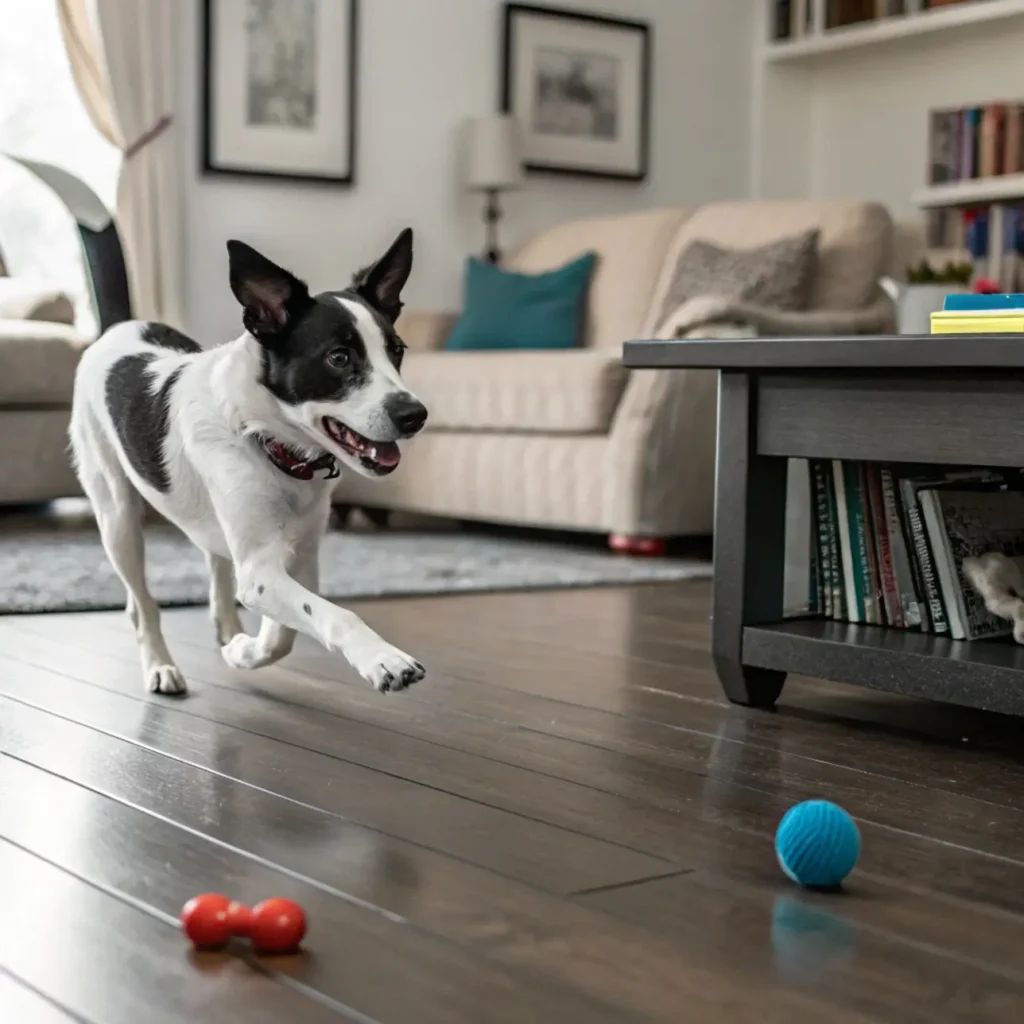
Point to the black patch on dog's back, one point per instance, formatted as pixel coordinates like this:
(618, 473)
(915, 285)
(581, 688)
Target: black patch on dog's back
(142, 416)
(167, 337)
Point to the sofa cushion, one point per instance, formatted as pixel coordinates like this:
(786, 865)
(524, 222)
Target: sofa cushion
(503, 309)
(37, 363)
(778, 274)
(563, 392)
(631, 250)
(22, 299)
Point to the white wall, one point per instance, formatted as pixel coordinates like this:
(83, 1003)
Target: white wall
(425, 66)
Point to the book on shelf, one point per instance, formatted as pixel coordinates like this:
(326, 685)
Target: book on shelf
(991, 145)
(1013, 139)
(884, 545)
(839, 13)
(782, 20)
(970, 143)
(799, 596)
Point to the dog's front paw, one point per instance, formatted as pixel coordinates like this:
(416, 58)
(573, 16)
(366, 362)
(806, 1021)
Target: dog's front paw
(386, 668)
(166, 679)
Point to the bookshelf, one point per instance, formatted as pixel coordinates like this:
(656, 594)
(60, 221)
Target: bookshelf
(843, 111)
(894, 29)
(865, 399)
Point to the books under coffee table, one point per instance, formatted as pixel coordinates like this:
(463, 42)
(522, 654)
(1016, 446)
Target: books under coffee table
(885, 544)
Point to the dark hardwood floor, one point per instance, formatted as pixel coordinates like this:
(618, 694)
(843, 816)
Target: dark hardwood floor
(565, 822)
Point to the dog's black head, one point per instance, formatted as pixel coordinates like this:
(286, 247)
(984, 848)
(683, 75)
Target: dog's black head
(332, 360)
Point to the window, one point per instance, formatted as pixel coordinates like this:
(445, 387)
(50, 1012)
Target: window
(42, 117)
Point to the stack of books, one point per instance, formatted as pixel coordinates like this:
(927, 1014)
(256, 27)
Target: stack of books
(1000, 313)
(884, 545)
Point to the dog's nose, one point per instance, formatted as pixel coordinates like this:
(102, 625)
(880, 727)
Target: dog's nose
(407, 414)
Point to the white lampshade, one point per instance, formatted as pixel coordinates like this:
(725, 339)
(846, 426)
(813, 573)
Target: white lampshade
(494, 160)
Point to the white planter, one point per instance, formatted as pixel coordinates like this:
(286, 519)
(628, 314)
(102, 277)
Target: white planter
(915, 303)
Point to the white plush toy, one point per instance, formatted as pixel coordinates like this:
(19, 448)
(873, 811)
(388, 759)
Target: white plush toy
(1000, 582)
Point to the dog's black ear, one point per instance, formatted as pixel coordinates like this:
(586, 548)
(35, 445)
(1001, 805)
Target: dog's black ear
(381, 284)
(271, 297)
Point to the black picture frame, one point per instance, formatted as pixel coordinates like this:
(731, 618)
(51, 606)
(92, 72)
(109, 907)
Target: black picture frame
(208, 167)
(509, 56)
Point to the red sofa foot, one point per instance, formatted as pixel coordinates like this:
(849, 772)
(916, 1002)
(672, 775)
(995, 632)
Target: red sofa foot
(625, 544)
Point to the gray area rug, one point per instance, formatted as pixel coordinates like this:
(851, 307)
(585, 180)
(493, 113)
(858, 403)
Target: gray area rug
(66, 570)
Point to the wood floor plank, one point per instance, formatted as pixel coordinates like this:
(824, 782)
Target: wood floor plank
(22, 1005)
(544, 855)
(131, 839)
(115, 964)
(895, 871)
(818, 948)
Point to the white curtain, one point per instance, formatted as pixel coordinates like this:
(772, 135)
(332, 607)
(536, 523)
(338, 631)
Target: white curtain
(122, 58)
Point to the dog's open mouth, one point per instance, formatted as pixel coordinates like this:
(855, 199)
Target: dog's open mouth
(380, 457)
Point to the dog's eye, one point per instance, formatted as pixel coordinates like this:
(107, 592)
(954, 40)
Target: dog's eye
(338, 357)
(396, 350)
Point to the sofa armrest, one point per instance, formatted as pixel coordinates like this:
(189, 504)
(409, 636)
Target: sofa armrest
(662, 466)
(425, 330)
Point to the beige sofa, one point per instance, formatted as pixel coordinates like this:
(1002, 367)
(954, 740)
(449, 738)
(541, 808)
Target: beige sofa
(570, 439)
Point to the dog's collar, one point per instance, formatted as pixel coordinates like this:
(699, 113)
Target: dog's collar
(282, 456)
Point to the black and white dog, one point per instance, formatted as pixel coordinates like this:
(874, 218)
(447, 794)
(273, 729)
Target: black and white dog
(239, 447)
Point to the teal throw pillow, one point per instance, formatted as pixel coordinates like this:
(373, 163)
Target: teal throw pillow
(506, 310)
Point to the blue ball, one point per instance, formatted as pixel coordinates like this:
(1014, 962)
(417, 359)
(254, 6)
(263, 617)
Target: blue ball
(817, 844)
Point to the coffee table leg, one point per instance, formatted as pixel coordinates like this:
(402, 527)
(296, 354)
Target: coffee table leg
(750, 536)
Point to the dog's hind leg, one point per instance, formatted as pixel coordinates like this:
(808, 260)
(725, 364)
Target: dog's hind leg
(222, 598)
(118, 509)
(274, 640)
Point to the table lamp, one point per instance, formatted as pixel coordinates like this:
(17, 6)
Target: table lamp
(494, 166)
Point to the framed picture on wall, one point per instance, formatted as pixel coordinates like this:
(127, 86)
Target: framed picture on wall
(279, 89)
(580, 86)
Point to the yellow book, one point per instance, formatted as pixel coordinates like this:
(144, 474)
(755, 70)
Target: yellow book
(978, 321)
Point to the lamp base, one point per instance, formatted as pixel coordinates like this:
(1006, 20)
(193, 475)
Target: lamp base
(492, 214)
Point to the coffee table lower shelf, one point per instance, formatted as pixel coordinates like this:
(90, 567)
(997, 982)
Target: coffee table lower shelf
(987, 674)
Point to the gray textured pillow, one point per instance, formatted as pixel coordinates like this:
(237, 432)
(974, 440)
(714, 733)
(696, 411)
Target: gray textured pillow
(778, 275)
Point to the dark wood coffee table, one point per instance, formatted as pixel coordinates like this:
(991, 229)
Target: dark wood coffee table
(953, 399)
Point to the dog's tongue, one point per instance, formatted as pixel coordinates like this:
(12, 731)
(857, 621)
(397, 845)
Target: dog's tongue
(388, 454)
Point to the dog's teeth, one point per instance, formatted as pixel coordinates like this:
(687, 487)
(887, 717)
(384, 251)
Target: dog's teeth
(372, 452)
